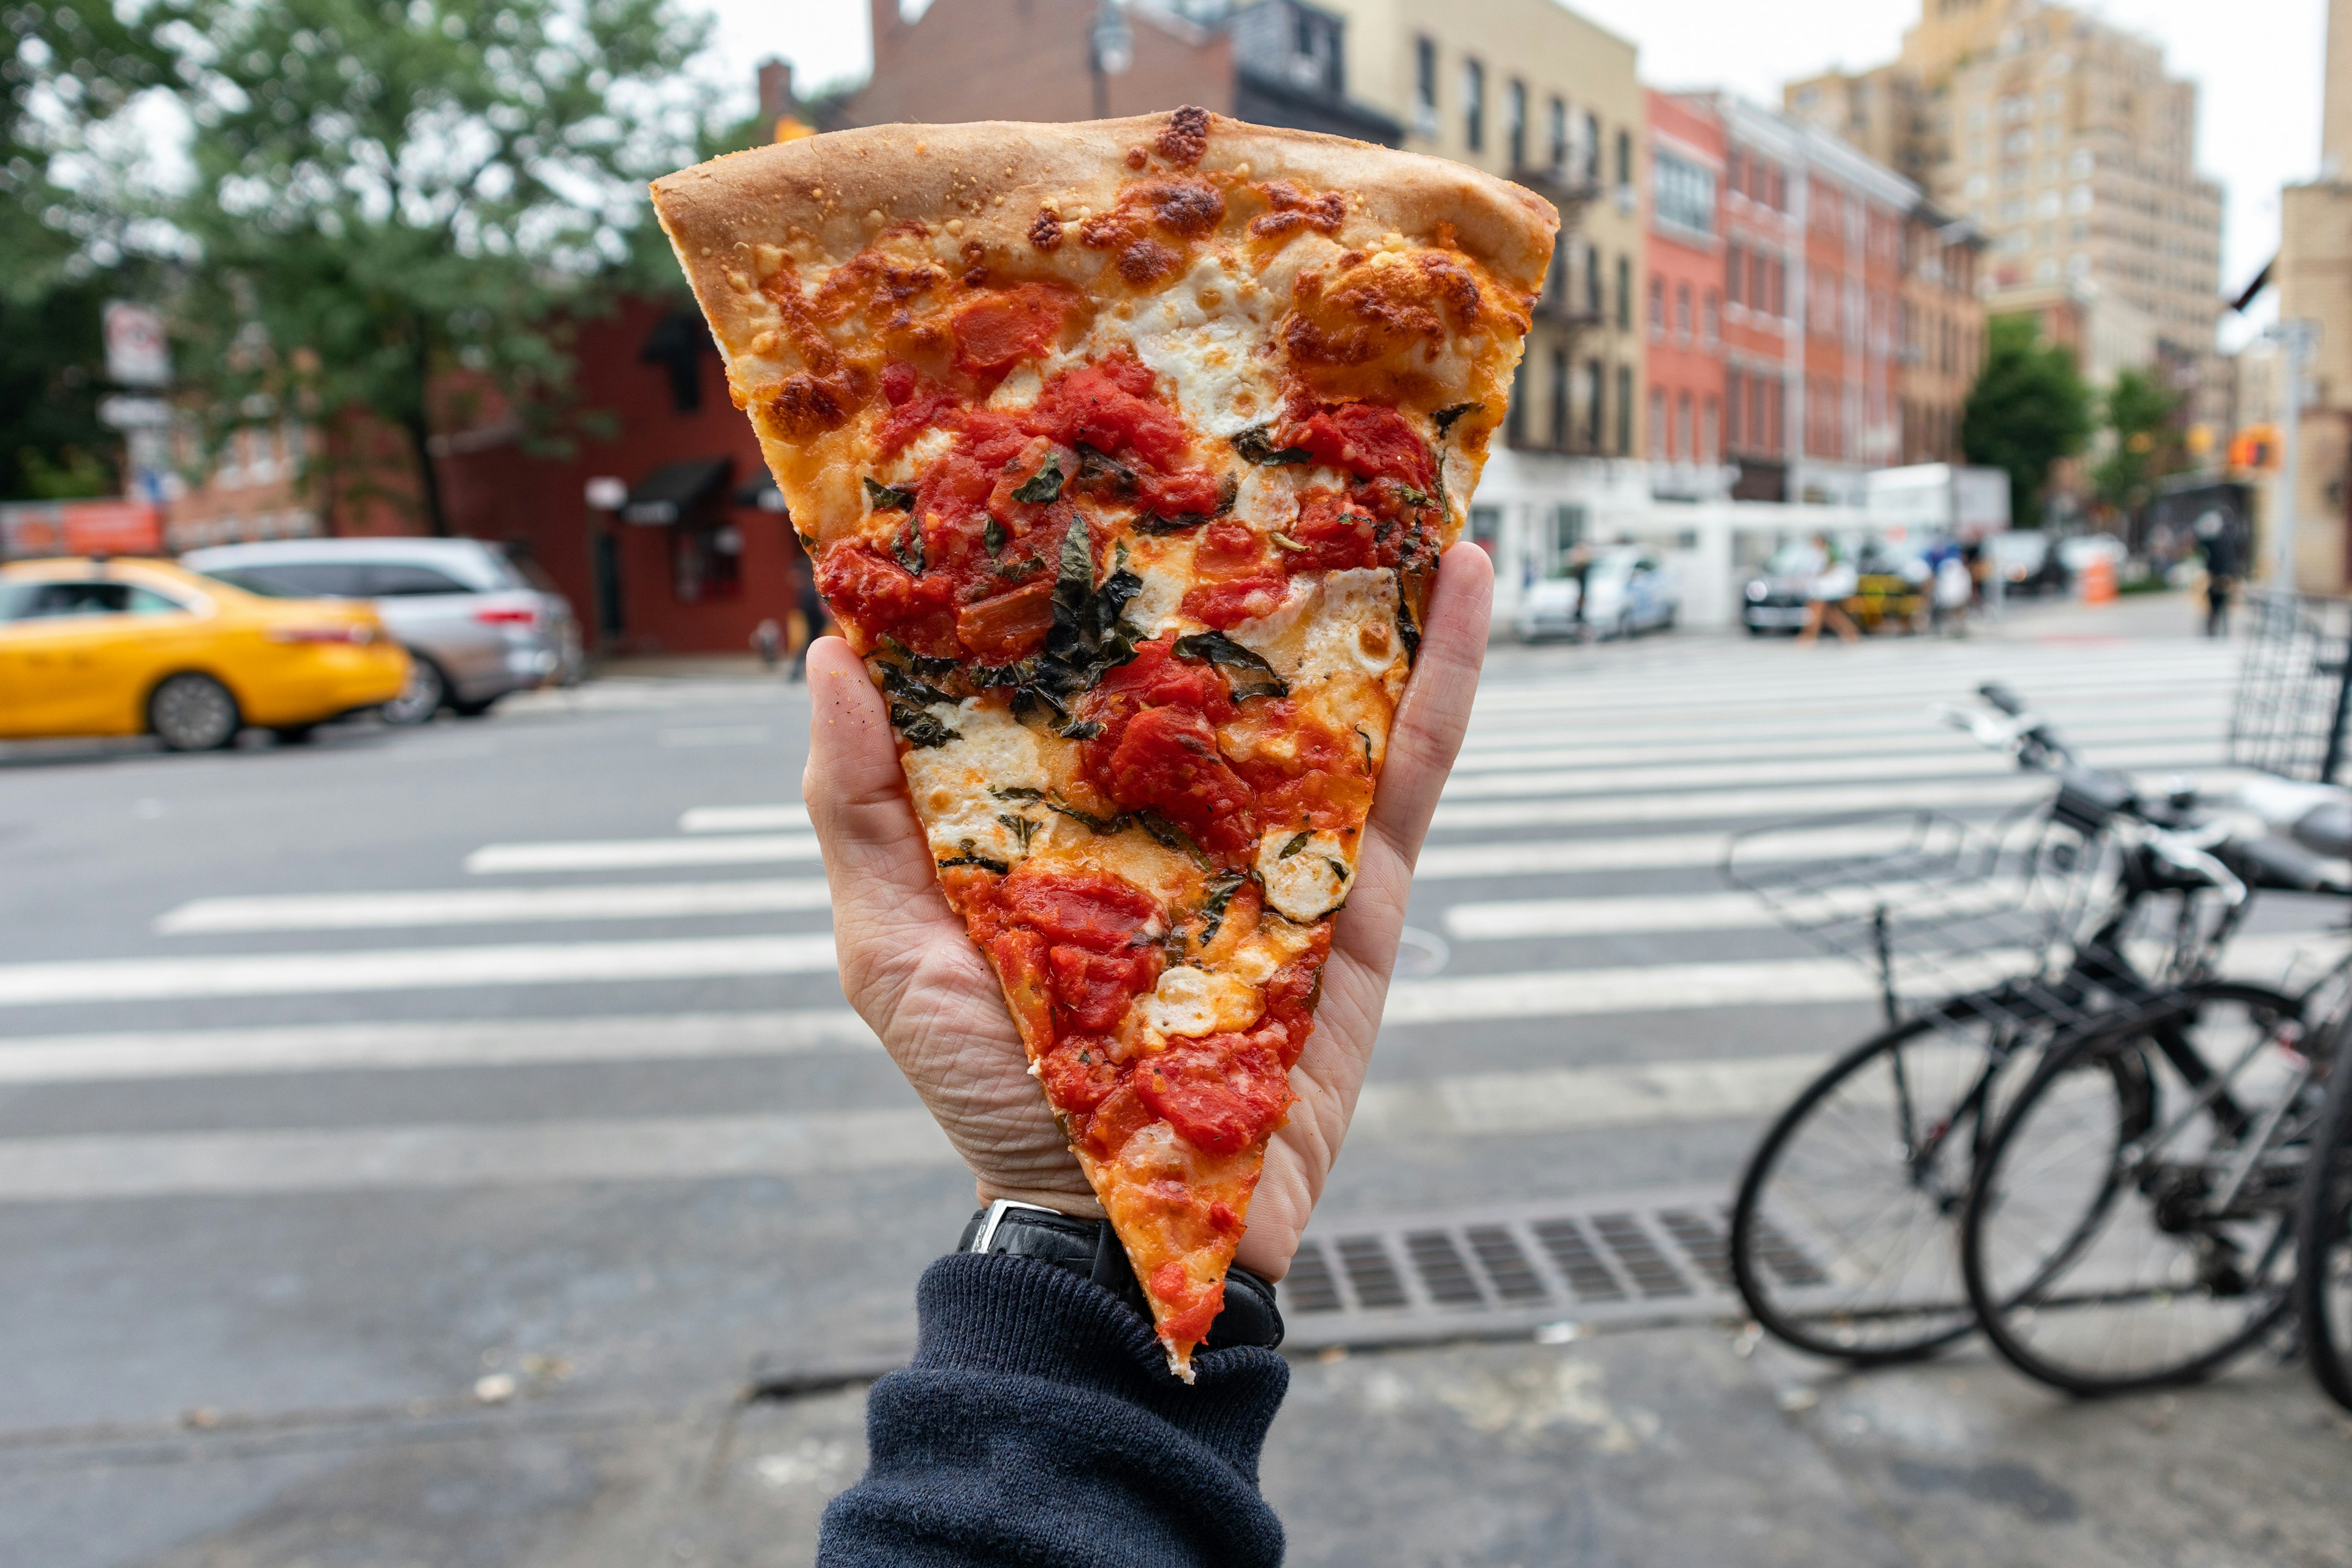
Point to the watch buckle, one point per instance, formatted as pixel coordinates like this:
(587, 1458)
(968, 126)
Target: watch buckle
(997, 1210)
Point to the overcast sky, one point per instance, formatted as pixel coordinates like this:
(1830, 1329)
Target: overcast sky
(2257, 62)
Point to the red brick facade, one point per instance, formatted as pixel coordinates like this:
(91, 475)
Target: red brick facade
(1683, 299)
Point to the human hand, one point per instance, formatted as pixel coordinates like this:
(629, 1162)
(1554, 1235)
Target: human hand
(918, 981)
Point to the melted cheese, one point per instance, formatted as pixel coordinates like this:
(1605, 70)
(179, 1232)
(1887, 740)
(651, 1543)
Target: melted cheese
(1201, 334)
(951, 783)
(1311, 880)
(1189, 1001)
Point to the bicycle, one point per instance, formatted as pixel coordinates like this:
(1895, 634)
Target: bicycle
(2133, 1222)
(1841, 1226)
(2323, 1285)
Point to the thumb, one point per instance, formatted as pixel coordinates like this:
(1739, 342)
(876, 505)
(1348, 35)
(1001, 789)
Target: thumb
(855, 791)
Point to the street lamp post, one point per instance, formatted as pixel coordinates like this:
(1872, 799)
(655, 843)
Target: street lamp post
(1110, 49)
(2299, 339)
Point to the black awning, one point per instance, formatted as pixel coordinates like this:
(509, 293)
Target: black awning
(761, 492)
(672, 490)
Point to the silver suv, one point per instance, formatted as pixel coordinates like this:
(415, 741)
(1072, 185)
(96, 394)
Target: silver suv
(477, 621)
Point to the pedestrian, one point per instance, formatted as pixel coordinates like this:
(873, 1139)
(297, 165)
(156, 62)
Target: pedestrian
(1579, 571)
(1951, 589)
(1826, 594)
(2218, 541)
(1039, 1422)
(807, 615)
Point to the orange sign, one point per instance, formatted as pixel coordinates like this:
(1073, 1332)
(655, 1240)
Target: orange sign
(80, 527)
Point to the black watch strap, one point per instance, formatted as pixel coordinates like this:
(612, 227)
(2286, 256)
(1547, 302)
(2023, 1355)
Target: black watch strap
(1090, 1247)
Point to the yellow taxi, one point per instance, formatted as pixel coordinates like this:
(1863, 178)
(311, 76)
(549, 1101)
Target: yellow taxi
(134, 647)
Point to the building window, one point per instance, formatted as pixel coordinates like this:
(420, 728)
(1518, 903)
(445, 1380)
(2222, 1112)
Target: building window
(1624, 158)
(1559, 135)
(1515, 121)
(1592, 284)
(1734, 168)
(1624, 410)
(1780, 278)
(1708, 440)
(1733, 437)
(1474, 106)
(1658, 451)
(1514, 420)
(1424, 87)
(1657, 306)
(1710, 320)
(1560, 398)
(1593, 147)
(1734, 263)
(1683, 314)
(1684, 445)
(1624, 293)
(1682, 193)
(1594, 403)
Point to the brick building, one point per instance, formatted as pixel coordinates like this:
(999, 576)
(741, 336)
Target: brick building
(1941, 334)
(1683, 306)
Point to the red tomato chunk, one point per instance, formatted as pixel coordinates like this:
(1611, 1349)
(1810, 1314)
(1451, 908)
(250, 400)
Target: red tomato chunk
(1085, 908)
(1367, 440)
(998, 330)
(1093, 988)
(1167, 761)
(1221, 1093)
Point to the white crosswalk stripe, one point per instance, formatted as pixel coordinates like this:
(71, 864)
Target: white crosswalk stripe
(1572, 867)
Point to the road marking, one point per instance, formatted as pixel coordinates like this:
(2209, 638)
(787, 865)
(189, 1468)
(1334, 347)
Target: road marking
(1502, 920)
(1553, 856)
(407, 969)
(494, 906)
(1725, 742)
(641, 854)
(393, 1047)
(1857, 770)
(1564, 1099)
(1645, 988)
(714, 735)
(1703, 803)
(2042, 685)
(778, 816)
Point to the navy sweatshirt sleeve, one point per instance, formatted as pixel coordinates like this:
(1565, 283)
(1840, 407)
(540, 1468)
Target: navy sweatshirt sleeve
(1038, 1424)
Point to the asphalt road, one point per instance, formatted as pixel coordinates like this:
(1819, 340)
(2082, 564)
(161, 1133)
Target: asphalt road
(410, 1143)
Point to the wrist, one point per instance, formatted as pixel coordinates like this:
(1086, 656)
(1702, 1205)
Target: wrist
(1090, 1249)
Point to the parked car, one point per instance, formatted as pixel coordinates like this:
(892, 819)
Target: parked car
(2029, 568)
(478, 623)
(1891, 588)
(1775, 597)
(1626, 590)
(134, 647)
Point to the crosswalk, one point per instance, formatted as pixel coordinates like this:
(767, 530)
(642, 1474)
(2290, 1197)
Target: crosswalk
(1571, 871)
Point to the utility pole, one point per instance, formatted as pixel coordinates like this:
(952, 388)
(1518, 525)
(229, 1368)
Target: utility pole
(2299, 339)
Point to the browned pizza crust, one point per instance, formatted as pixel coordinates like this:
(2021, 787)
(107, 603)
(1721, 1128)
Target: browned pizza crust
(995, 178)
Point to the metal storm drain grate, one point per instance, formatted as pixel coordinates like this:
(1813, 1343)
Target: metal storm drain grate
(1645, 1256)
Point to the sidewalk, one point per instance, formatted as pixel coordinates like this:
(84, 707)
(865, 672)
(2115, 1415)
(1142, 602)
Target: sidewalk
(1664, 1448)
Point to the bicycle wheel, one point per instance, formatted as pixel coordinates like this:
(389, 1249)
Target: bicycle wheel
(2124, 1230)
(1841, 1234)
(2324, 1247)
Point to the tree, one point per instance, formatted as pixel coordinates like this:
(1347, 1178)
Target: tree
(2027, 409)
(2139, 410)
(61, 256)
(399, 207)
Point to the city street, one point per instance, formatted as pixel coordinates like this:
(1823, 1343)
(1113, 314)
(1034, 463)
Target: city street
(413, 1145)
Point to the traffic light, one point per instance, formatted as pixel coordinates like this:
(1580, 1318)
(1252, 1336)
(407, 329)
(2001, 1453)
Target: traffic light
(2256, 446)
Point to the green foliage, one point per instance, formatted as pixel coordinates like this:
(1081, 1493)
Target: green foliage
(2139, 410)
(2027, 409)
(52, 447)
(401, 208)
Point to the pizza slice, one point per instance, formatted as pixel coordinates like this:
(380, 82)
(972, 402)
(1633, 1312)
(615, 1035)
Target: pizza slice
(1125, 451)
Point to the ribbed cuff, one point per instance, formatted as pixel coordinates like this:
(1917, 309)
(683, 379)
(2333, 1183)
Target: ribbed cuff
(1025, 1317)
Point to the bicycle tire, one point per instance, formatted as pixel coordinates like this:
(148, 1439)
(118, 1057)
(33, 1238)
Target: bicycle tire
(2323, 1273)
(1778, 1274)
(2007, 1312)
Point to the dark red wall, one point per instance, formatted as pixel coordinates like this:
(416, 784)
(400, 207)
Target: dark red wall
(504, 493)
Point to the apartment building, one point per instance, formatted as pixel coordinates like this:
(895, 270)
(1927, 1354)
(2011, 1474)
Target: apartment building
(1940, 336)
(1682, 313)
(2063, 140)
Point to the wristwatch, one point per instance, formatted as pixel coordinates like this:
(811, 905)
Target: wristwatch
(1090, 1249)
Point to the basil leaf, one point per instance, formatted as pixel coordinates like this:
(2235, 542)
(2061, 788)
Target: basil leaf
(1097, 466)
(1017, 792)
(1408, 633)
(994, 534)
(888, 498)
(1445, 417)
(1298, 840)
(1021, 828)
(1042, 486)
(1085, 730)
(920, 729)
(1152, 522)
(1338, 869)
(970, 857)
(907, 544)
(907, 688)
(1216, 647)
(1094, 823)
(1221, 889)
(1256, 446)
(1169, 836)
